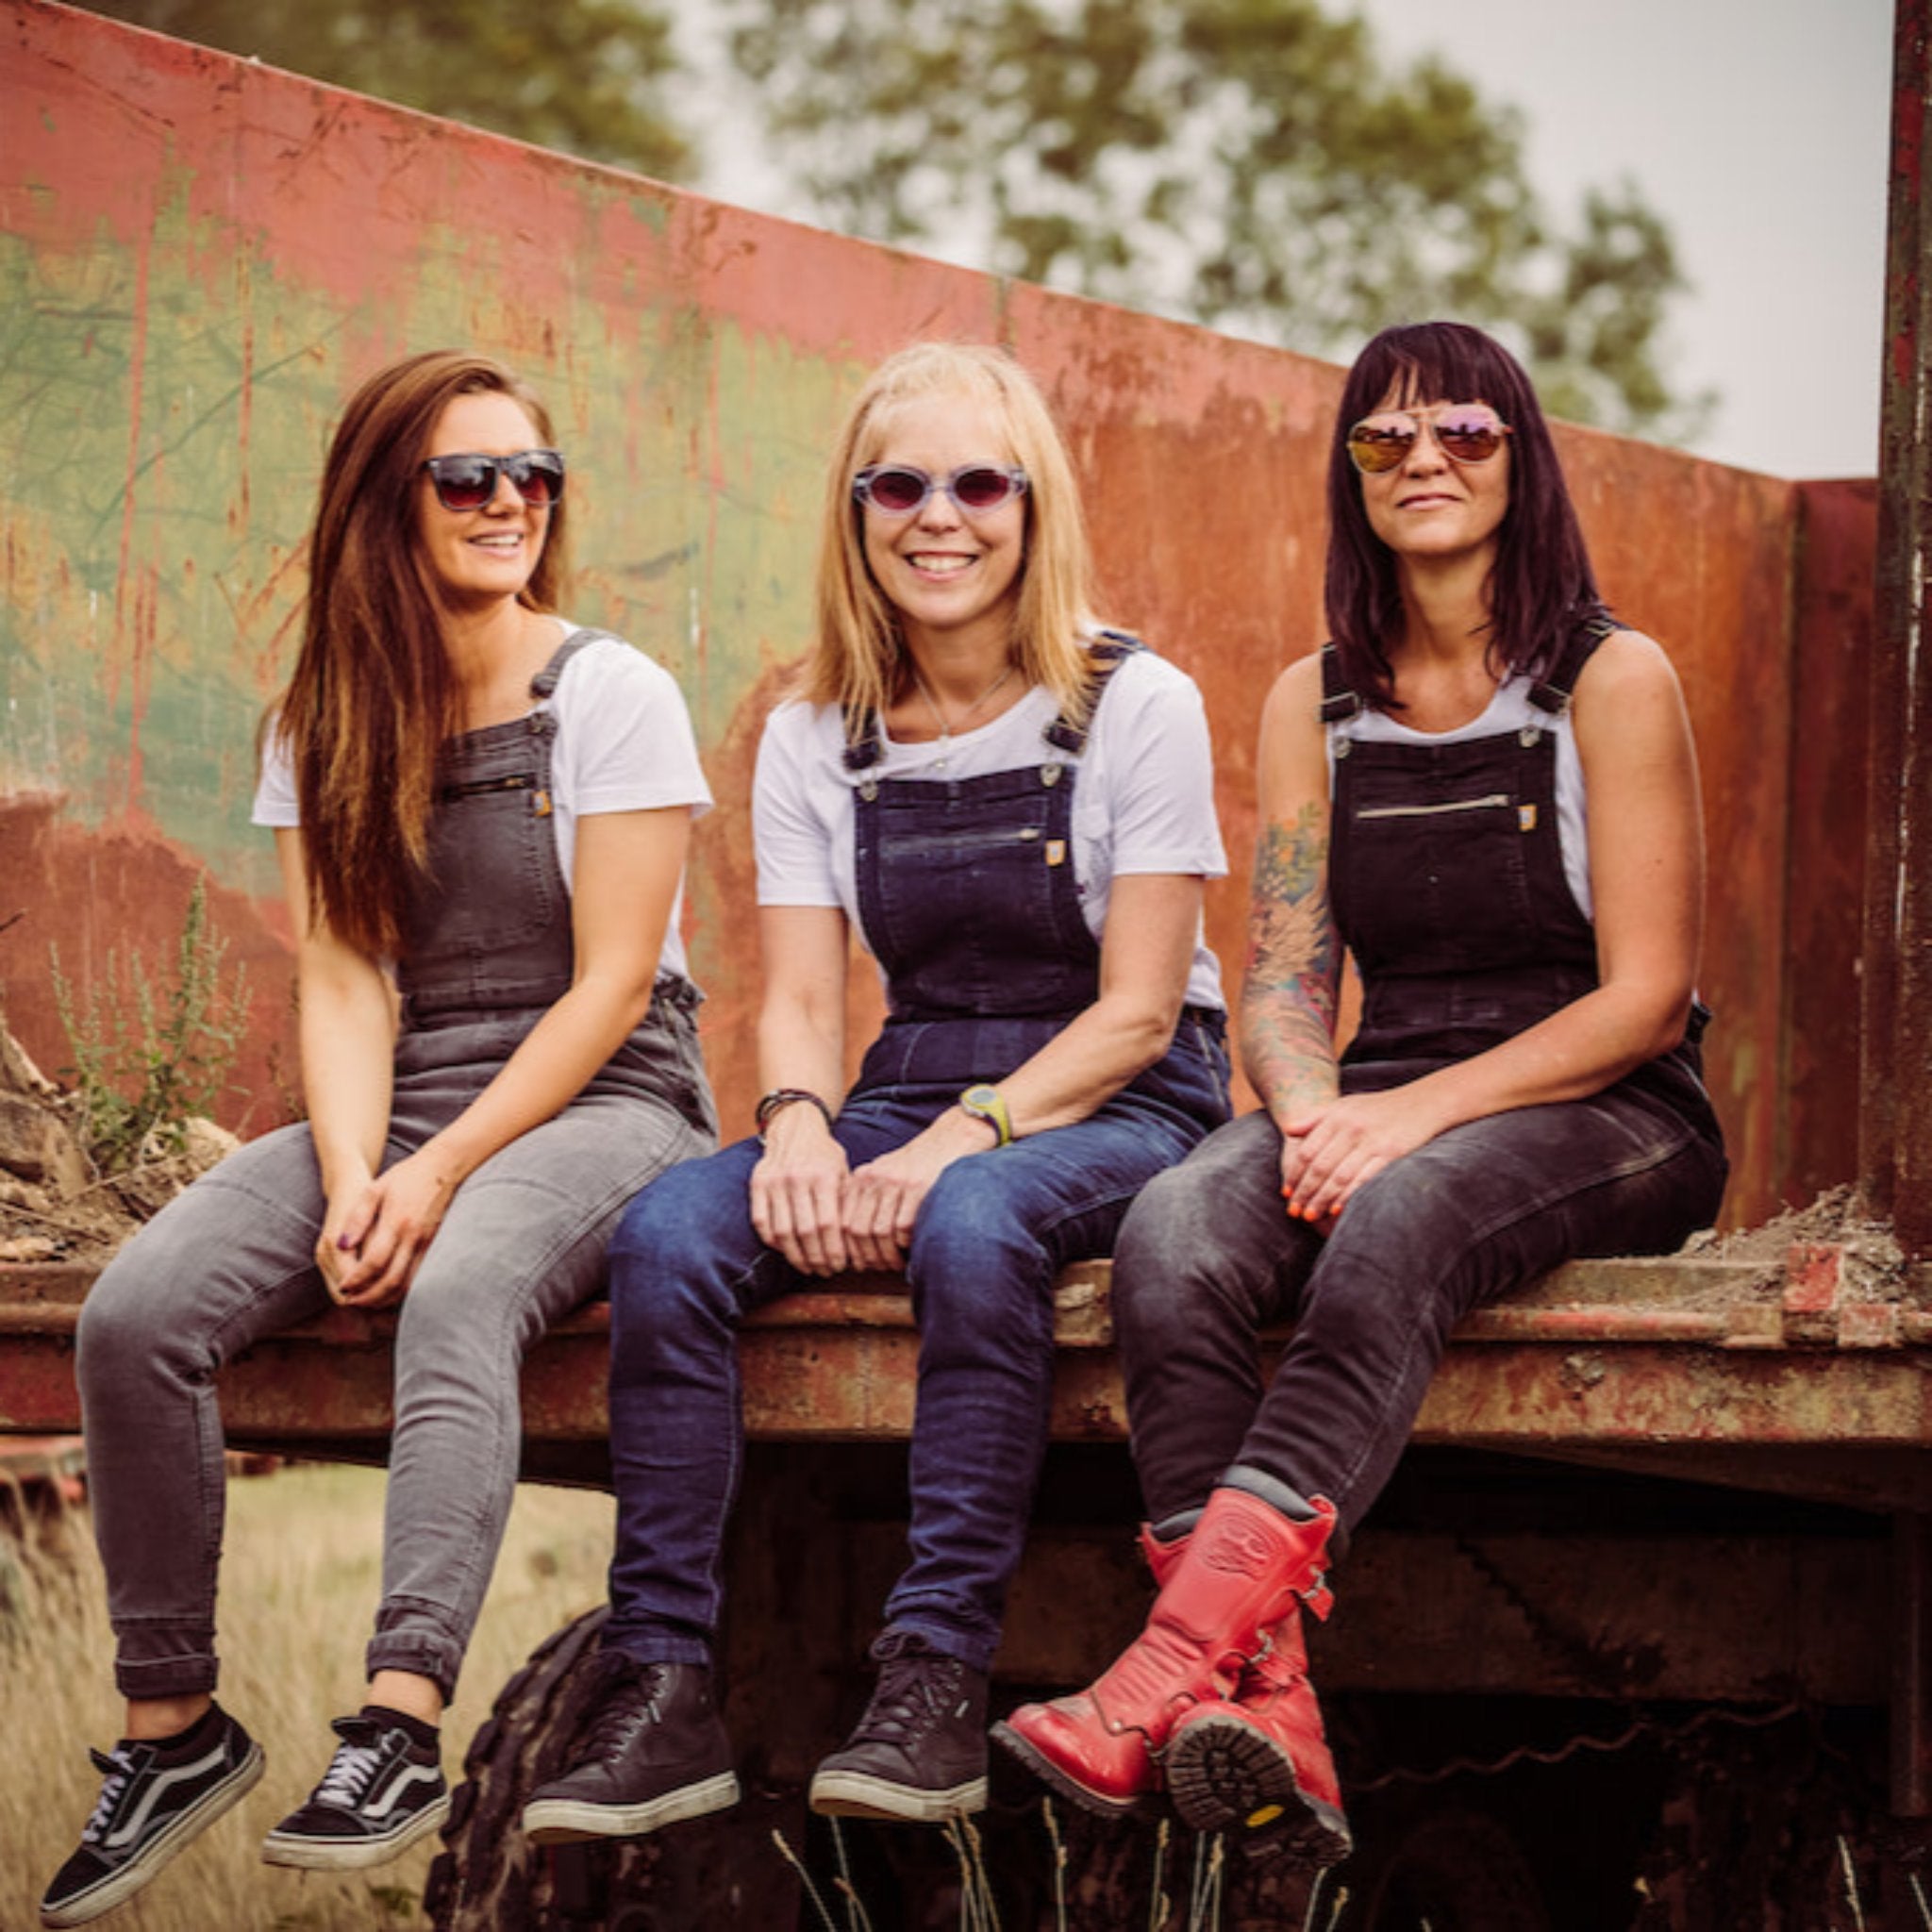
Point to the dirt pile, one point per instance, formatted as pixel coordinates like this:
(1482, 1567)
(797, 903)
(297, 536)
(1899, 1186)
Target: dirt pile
(55, 1203)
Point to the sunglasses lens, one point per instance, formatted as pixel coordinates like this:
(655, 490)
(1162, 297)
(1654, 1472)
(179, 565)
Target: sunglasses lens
(981, 488)
(897, 492)
(1470, 437)
(463, 482)
(538, 475)
(1380, 443)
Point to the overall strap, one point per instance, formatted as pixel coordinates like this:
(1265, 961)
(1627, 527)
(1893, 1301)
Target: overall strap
(1340, 703)
(1552, 692)
(1109, 650)
(545, 680)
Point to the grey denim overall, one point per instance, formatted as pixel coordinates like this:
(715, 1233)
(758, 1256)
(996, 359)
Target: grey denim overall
(488, 949)
(967, 897)
(1447, 883)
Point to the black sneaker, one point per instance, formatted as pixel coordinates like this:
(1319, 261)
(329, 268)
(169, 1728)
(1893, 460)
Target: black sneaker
(155, 1798)
(656, 1752)
(919, 1752)
(381, 1792)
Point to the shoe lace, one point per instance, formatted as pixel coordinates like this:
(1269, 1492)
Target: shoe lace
(119, 1768)
(349, 1774)
(631, 1703)
(916, 1689)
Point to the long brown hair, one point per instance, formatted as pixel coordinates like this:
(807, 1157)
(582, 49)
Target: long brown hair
(855, 653)
(372, 696)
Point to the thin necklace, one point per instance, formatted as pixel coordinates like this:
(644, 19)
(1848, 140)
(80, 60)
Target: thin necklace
(967, 716)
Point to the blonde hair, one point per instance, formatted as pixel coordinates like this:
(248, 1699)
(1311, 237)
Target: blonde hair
(857, 653)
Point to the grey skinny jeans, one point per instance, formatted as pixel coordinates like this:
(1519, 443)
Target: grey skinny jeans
(231, 1261)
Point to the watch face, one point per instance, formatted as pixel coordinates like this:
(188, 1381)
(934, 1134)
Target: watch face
(980, 1096)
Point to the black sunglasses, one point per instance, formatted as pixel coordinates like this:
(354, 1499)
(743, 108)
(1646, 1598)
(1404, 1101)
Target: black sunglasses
(897, 490)
(468, 482)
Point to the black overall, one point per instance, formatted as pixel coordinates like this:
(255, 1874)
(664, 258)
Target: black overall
(1447, 884)
(967, 898)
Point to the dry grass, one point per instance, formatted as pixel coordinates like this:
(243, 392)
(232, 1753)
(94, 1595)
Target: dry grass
(299, 1587)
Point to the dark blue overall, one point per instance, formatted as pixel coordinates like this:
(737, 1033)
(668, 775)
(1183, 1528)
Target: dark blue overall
(967, 899)
(1446, 879)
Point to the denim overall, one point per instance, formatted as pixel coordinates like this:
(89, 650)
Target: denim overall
(487, 950)
(1447, 885)
(967, 897)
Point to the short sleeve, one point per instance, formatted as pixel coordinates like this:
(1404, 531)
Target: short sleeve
(625, 741)
(276, 803)
(1158, 774)
(792, 803)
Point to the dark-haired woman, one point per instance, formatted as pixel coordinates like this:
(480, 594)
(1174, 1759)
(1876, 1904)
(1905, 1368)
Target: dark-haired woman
(1484, 790)
(482, 813)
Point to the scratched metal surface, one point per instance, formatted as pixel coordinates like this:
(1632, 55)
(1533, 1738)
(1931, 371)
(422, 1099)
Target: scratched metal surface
(199, 256)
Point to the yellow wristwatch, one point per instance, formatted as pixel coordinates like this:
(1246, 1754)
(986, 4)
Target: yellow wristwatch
(985, 1103)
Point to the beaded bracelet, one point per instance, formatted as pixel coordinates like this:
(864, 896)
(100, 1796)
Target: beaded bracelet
(787, 1096)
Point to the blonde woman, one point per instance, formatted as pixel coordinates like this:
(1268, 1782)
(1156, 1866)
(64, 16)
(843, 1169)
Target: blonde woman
(1013, 809)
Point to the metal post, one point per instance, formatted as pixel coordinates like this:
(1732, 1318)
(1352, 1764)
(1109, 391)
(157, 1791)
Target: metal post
(1895, 1124)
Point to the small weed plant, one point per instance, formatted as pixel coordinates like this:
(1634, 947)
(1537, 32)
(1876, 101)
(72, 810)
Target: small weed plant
(149, 1057)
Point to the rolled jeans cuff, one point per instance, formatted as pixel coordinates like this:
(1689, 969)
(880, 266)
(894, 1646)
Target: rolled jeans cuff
(156, 1660)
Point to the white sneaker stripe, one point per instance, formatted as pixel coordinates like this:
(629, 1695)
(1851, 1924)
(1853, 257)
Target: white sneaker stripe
(159, 1787)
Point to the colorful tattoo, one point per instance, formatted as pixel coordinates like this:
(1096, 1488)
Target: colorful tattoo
(1288, 1003)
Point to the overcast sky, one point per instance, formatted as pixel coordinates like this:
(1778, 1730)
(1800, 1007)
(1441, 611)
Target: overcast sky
(1759, 130)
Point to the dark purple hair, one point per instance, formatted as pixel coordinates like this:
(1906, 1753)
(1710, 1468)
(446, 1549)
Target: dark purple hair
(1541, 586)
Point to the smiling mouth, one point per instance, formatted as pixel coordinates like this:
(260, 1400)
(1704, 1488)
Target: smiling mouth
(940, 564)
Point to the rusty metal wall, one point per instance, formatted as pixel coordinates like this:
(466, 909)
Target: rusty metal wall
(199, 256)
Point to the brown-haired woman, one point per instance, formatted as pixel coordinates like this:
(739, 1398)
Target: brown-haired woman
(482, 813)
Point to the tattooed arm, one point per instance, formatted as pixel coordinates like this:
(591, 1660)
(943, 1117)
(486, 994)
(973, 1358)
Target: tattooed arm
(1287, 1000)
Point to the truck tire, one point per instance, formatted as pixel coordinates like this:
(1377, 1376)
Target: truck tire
(721, 1870)
(1455, 1870)
(489, 1875)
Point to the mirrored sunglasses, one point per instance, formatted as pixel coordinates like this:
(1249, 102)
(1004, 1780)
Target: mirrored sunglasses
(468, 482)
(1465, 432)
(897, 490)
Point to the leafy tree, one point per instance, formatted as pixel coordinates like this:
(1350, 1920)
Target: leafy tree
(585, 76)
(1250, 164)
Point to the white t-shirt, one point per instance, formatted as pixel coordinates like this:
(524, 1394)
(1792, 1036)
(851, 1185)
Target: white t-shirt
(1509, 711)
(1143, 800)
(623, 743)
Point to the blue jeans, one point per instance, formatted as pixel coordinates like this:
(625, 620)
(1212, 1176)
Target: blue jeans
(996, 1227)
(1210, 1257)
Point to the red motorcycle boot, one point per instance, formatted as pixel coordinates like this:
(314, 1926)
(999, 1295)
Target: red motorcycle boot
(1258, 1767)
(1133, 1782)
(1245, 1566)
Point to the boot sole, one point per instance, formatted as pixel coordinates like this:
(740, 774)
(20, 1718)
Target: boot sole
(122, 1886)
(352, 1853)
(1226, 1776)
(571, 1821)
(1099, 1804)
(854, 1794)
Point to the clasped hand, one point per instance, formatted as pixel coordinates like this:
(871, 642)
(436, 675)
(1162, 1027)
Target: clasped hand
(375, 1235)
(1330, 1151)
(824, 1216)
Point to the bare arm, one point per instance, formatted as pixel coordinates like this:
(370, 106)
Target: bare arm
(1293, 969)
(346, 1031)
(623, 882)
(1646, 854)
(798, 1187)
